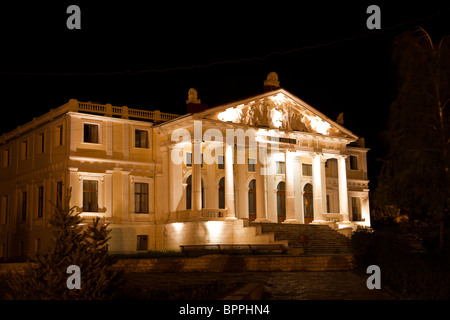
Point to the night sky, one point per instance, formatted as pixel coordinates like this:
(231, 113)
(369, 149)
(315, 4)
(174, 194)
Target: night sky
(146, 55)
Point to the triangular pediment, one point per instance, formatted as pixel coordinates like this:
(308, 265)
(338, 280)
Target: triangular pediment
(277, 109)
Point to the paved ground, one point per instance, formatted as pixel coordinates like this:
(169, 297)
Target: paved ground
(331, 285)
(339, 285)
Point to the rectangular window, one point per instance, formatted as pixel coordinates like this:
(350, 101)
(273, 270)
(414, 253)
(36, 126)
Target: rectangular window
(40, 202)
(281, 167)
(220, 162)
(356, 208)
(141, 197)
(24, 150)
(6, 158)
(59, 138)
(354, 162)
(141, 138)
(251, 165)
(142, 242)
(40, 146)
(4, 210)
(59, 188)
(288, 140)
(24, 206)
(90, 195)
(188, 159)
(21, 248)
(307, 170)
(91, 133)
(328, 203)
(37, 245)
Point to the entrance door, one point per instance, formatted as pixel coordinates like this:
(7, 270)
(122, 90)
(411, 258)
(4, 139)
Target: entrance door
(281, 202)
(252, 200)
(308, 211)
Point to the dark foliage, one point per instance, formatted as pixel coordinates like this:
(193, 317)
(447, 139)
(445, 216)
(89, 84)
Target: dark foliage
(415, 175)
(406, 274)
(46, 276)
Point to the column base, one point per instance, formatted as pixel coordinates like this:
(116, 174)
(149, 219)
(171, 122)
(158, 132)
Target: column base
(292, 221)
(319, 222)
(230, 218)
(263, 220)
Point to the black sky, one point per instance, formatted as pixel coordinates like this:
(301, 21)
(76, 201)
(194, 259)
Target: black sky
(147, 55)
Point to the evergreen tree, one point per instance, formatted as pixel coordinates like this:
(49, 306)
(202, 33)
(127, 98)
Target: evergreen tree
(415, 175)
(46, 276)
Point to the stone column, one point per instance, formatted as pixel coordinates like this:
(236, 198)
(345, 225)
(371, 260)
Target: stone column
(289, 180)
(324, 185)
(108, 194)
(196, 178)
(317, 187)
(229, 182)
(126, 196)
(260, 188)
(343, 193)
(242, 189)
(73, 183)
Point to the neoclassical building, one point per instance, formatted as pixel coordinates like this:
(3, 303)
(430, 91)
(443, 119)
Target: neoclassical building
(162, 180)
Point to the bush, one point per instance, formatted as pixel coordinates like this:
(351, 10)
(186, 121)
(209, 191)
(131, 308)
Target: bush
(409, 275)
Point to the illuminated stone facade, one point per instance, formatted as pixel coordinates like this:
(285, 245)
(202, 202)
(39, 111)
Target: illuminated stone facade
(162, 180)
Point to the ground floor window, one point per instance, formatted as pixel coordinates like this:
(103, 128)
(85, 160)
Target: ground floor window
(308, 210)
(252, 200)
(142, 242)
(281, 201)
(90, 195)
(356, 209)
(222, 193)
(189, 193)
(141, 197)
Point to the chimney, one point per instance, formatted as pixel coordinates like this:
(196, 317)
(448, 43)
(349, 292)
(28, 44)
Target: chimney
(193, 103)
(271, 83)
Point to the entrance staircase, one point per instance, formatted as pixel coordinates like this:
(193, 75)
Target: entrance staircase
(320, 239)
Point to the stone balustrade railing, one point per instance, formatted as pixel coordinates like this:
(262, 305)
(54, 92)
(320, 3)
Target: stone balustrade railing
(90, 107)
(204, 214)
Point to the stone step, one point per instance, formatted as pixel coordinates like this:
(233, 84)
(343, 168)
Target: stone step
(320, 239)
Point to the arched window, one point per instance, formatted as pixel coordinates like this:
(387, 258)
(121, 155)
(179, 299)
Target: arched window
(308, 210)
(222, 193)
(281, 201)
(252, 200)
(189, 193)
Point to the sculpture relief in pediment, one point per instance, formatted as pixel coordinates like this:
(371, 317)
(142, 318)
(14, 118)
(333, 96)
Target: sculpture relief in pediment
(277, 112)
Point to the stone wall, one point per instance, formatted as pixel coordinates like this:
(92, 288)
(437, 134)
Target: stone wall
(236, 263)
(224, 263)
(213, 232)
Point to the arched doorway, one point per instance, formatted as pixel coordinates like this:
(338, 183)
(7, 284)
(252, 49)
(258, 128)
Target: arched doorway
(189, 193)
(252, 200)
(222, 193)
(281, 201)
(308, 210)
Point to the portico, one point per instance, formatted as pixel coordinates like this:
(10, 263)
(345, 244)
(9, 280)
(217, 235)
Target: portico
(284, 160)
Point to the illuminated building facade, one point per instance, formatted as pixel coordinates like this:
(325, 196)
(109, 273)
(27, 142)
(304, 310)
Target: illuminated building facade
(162, 180)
